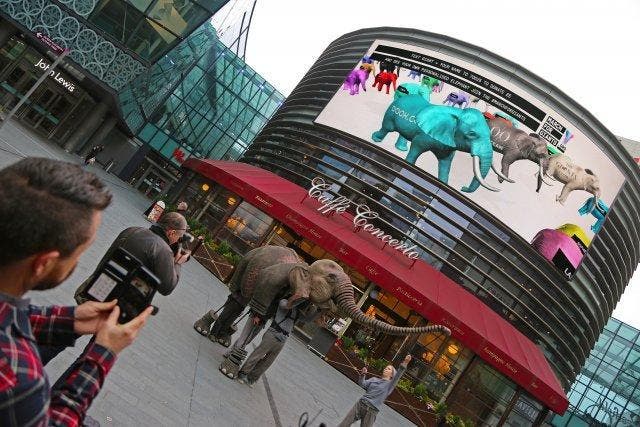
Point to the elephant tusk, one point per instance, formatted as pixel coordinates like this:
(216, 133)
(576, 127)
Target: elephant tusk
(497, 171)
(476, 172)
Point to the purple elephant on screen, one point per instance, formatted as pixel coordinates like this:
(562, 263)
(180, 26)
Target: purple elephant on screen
(548, 242)
(459, 99)
(354, 79)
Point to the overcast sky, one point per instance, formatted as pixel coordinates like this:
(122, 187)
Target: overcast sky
(588, 49)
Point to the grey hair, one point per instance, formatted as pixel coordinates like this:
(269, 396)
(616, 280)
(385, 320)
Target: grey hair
(172, 221)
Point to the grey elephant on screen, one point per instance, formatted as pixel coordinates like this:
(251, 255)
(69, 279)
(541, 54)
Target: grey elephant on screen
(515, 144)
(574, 177)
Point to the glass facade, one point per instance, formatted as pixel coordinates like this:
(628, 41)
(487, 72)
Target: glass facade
(151, 27)
(607, 391)
(199, 100)
(113, 40)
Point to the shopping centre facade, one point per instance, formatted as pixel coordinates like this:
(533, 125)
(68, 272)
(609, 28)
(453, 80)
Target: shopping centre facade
(525, 282)
(152, 81)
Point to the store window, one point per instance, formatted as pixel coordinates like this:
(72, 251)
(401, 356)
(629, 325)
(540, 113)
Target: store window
(482, 394)
(245, 228)
(438, 362)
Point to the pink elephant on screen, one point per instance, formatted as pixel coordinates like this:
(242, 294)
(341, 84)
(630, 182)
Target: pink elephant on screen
(548, 242)
(355, 79)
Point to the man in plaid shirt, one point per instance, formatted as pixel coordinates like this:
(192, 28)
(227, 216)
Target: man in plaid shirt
(49, 214)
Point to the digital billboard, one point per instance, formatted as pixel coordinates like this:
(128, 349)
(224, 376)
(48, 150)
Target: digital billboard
(487, 138)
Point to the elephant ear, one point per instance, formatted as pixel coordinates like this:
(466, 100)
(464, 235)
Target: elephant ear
(439, 123)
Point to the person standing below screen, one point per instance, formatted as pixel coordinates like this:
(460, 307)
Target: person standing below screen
(377, 389)
(49, 216)
(272, 342)
(91, 155)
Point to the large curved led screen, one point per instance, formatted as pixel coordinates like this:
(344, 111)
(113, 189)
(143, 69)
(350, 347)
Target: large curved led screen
(485, 137)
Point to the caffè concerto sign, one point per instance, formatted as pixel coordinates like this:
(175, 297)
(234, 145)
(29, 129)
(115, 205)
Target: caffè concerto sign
(363, 215)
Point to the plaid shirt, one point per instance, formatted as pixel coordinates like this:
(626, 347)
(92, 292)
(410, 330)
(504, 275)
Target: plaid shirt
(25, 396)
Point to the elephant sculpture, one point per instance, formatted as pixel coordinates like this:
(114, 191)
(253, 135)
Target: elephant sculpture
(432, 83)
(367, 65)
(412, 89)
(598, 209)
(355, 79)
(549, 242)
(442, 130)
(413, 75)
(266, 275)
(459, 99)
(385, 78)
(574, 177)
(516, 144)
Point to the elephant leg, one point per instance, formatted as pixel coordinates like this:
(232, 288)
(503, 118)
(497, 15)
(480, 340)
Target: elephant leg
(402, 143)
(568, 188)
(388, 85)
(388, 125)
(364, 87)
(222, 326)
(507, 159)
(444, 165)
(419, 145)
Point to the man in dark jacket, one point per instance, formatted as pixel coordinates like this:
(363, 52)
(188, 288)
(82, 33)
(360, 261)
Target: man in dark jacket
(152, 246)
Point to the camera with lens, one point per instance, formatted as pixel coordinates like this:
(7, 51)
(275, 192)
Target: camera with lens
(184, 242)
(123, 277)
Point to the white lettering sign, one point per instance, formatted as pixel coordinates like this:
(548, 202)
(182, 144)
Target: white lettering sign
(55, 76)
(361, 219)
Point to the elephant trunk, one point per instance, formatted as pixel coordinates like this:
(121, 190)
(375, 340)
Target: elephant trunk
(481, 166)
(346, 302)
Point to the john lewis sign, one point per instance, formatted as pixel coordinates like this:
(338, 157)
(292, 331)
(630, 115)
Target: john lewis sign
(361, 219)
(56, 76)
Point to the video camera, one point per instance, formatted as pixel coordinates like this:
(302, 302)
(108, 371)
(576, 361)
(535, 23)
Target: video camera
(123, 277)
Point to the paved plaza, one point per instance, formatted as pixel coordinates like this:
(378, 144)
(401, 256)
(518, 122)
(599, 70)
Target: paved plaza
(170, 376)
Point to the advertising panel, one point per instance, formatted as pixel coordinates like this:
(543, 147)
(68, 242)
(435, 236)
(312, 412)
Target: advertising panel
(489, 139)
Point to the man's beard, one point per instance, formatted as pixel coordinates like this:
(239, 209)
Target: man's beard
(53, 280)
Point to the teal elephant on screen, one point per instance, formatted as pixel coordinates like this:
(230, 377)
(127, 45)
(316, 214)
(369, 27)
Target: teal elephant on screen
(443, 131)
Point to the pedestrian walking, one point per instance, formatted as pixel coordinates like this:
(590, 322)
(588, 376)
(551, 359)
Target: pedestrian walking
(377, 390)
(91, 155)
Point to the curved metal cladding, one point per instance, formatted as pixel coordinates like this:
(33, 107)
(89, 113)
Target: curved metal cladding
(454, 234)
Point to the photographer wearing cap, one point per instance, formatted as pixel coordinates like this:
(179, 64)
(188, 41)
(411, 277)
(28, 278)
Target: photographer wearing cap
(49, 216)
(158, 247)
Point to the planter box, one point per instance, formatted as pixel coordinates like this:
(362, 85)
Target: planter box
(400, 401)
(214, 262)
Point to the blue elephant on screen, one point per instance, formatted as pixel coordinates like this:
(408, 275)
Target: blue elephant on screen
(442, 130)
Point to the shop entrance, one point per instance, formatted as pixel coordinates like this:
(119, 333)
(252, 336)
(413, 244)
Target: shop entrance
(56, 108)
(154, 176)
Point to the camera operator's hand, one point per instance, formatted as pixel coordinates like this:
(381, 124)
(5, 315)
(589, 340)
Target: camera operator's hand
(117, 337)
(182, 257)
(90, 315)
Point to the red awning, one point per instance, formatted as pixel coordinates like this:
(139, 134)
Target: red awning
(417, 284)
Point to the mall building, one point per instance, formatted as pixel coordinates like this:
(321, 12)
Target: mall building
(524, 281)
(153, 81)
(607, 391)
